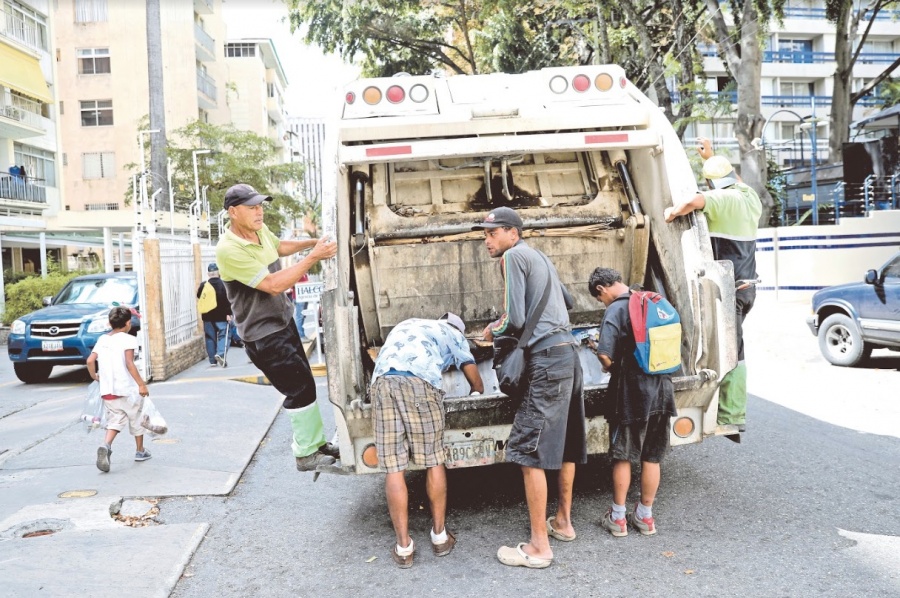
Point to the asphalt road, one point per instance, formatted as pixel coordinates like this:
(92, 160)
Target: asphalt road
(802, 507)
(807, 505)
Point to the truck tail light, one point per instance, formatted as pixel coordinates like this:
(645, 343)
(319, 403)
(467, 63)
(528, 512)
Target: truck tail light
(581, 83)
(370, 456)
(350, 97)
(683, 427)
(372, 95)
(418, 93)
(558, 84)
(603, 82)
(395, 94)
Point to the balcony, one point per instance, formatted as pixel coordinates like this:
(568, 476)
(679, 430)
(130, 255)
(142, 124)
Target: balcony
(203, 7)
(21, 119)
(803, 12)
(15, 28)
(206, 46)
(780, 101)
(206, 85)
(21, 189)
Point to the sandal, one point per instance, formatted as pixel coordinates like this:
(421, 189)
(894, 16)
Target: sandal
(404, 562)
(555, 534)
(516, 557)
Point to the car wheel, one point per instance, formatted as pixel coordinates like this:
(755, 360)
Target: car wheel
(30, 373)
(840, 341)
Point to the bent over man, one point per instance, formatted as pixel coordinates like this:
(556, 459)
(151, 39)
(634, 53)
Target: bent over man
(548, 431)
(408, 405)
(248, 258)
(732, 210)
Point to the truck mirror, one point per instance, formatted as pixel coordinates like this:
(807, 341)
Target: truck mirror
(46, 301)
(872, 277)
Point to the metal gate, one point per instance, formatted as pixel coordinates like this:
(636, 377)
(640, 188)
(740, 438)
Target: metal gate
(176, 264)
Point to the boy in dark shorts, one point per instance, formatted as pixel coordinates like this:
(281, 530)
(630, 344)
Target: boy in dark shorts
(644, 404)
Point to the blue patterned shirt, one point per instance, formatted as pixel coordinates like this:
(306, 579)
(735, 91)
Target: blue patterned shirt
(424, 349)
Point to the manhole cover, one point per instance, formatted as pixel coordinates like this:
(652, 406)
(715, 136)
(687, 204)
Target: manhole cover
(41, 532)
(78, 494)
(166, 440)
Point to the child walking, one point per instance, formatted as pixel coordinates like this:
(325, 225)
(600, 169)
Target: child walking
(118, 378)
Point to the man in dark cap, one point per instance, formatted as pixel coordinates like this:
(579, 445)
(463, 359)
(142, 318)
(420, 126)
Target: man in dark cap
(248, 255)
(548, 431)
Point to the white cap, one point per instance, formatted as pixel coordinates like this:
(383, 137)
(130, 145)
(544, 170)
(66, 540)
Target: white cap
(455, 321)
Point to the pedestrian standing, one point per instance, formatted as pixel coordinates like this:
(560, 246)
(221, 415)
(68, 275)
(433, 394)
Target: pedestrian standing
(408, 407)
(548, 431)
(732, 210)
(248, 255)
(215, 321)
(639, 431)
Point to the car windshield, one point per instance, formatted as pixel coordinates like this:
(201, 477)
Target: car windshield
(99, 290)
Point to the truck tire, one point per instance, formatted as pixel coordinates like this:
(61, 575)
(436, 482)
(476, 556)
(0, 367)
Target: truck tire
(30, 373)
(841, 342)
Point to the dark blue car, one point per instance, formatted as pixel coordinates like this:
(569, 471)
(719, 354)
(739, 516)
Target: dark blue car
(65, 332)
(853, 319)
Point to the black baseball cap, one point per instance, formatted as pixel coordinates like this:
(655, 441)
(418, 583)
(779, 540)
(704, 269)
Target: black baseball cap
(499, 217)
(212, 267)
(243, 194)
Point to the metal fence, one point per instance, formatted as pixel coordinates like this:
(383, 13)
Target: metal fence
(843, 200)
(176, 265)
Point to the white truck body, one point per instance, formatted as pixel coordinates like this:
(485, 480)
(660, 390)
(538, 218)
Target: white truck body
(586, 160)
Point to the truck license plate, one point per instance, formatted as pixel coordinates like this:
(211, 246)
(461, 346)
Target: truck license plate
(470, 453)
(51, 346)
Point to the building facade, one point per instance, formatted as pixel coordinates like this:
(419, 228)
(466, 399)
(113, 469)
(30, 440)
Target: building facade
(257, 93)
(102, 65)
(797, 82)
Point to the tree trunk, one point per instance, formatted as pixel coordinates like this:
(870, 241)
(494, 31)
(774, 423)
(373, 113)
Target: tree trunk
(749, 119)
(840, 100)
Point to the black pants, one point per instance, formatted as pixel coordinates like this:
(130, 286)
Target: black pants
(282, 359)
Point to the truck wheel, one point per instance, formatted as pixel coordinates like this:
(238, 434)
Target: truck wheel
(30, 373)
(840, 341)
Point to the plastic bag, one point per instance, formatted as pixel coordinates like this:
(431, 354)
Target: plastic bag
(151, 419)
(93, 414)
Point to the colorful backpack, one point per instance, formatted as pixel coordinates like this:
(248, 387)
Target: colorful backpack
(207, 300)
(657, 332)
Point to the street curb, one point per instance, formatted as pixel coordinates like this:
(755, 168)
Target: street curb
(253, 380)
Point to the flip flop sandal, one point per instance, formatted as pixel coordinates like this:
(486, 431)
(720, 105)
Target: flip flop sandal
(516, 557)
(555, 534)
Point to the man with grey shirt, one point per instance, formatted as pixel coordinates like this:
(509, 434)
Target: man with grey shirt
(548, 431)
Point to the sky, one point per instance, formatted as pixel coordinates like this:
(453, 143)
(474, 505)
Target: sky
(315, 80)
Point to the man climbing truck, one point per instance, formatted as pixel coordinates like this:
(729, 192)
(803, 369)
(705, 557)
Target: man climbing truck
(586, 160)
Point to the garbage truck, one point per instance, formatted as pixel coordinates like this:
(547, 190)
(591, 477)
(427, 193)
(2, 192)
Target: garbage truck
(587, 161)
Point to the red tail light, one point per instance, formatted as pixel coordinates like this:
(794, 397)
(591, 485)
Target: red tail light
(395, 94)
(351, 97)
(581, 83)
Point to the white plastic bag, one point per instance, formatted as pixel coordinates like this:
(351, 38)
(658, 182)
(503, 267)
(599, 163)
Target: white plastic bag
(151, 419)
(93, 414)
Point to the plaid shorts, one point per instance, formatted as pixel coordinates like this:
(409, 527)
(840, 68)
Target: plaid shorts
(409, 422)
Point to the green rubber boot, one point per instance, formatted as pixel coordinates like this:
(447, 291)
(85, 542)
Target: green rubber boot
(309, 433)
(733, 397)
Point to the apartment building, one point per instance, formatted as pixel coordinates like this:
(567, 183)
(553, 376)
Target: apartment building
(797, 85)
(101, 60)
(257, 93)
(29, 172)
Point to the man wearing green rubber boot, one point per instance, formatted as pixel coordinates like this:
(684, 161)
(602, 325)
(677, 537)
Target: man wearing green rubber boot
(732, 210)
(248, 255)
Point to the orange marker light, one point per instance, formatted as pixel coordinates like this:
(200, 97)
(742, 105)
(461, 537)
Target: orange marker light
(603, 82)
(683, 427)
(370, 456)
(372, 95)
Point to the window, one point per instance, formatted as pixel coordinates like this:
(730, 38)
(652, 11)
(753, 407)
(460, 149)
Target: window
(96, 113)
(100, 207)
(240, 50)
(93, 61)
(40, 165)
(90, 11)
(99, 165)
(796, 88)
(795, 50)
(25, 25)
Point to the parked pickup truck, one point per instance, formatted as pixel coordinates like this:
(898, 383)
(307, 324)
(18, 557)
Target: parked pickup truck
(66, 330)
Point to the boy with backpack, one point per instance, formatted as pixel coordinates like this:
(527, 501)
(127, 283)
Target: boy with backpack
(119, 380)
(644, 401)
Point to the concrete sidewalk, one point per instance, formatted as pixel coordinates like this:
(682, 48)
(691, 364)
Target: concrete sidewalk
(216, 418)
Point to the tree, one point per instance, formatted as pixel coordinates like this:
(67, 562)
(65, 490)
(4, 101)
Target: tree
(741, 49)
(847, 16)
(237, 157)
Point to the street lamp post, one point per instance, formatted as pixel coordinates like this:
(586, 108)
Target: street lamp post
(197, 204)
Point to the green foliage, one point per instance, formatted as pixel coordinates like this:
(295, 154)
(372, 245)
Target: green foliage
(889, 93)
(26, 295)
(238, 157)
